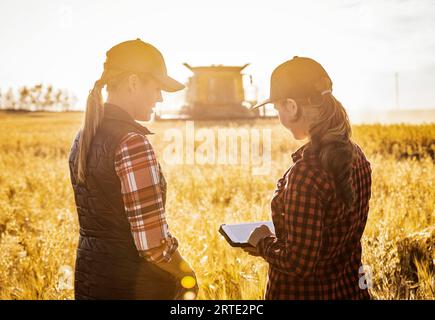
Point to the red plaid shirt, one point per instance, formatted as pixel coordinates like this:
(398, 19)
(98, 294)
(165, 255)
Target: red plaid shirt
(316, 253)
(143, 189)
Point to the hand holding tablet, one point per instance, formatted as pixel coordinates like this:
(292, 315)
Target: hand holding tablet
(237, 234)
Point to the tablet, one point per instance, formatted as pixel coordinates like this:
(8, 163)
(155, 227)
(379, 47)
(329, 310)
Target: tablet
(237, 234)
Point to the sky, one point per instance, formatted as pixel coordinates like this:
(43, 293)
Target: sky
(361, 44)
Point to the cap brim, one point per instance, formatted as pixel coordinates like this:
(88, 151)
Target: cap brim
(168, 84)
(258, 105)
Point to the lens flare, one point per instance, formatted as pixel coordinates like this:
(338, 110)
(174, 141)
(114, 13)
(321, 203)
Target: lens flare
(188, 282)
(189, 295)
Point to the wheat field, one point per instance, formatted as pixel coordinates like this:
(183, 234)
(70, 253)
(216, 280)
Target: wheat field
(39, 227)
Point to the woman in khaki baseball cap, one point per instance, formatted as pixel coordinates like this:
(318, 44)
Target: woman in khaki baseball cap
(125, 249)
(320, 205)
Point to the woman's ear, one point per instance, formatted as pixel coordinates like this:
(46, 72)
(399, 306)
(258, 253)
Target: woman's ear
(292, 109)
(133, 82)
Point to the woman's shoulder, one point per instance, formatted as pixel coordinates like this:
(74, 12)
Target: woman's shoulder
(306, 173)
(361, 159)
(135, 138)
(135, 142)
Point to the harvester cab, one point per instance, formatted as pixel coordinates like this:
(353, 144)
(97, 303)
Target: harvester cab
(218, 92)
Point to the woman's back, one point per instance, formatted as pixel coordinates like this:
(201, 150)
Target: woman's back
(323, 249)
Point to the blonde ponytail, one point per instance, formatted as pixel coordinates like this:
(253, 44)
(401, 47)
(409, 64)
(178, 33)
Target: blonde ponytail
(330, 134)
(93, 116)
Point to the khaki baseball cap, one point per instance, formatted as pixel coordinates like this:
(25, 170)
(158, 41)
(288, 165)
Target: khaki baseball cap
(142, 57)
(298, 78)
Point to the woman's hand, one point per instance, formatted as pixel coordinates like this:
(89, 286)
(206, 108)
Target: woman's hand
(258, 234)
(186, 282)
(187, 287)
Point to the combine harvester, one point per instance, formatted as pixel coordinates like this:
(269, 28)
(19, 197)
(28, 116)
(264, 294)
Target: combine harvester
(216, 92)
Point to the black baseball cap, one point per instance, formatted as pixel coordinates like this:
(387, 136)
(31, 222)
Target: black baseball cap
(298, 78)
(141, 57)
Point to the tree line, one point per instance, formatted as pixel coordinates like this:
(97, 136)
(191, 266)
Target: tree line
(37, 98)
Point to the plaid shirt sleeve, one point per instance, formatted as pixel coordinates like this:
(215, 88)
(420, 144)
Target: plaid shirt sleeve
(296, 250)
(139, 173)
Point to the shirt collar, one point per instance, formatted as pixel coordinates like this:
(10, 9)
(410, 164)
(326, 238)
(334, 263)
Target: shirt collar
(114, 112)
(299, 153)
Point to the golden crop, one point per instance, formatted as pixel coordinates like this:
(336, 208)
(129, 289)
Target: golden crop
(39, 228)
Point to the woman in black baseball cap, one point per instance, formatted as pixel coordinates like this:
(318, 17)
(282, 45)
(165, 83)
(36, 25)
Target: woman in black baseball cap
(320, 205)
(125, 249)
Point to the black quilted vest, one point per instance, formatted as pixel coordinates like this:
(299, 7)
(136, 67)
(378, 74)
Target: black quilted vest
(108, 265)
